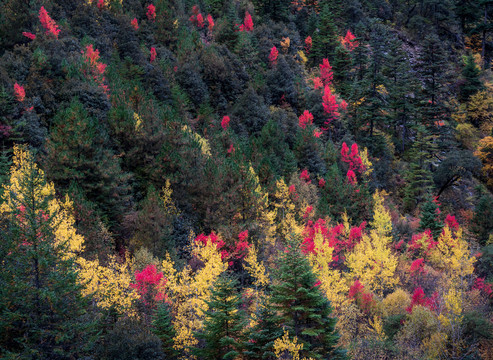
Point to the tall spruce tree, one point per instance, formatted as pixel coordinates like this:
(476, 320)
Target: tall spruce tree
(261, 337)
(163, 328)
(325, 37)
(78, 151)
(302, 309)
(472, 84)
(224, 323)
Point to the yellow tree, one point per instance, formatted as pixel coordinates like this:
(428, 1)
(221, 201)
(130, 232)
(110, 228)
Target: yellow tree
(190, 291)
(485, 153)
(332, 283)
(452, 254)
(59, 213)
(372, 261)
(286, 212)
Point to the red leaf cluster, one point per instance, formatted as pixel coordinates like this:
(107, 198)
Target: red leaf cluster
(48, 23)
(96, 68)
(19, 92)
(317, 83)
(351, 177)
(135, 24)
(305, 176)
(274, 53)
(481, 285)
(305, 119)
(326, 73)
(416, 244)
(334, 236)
(100, 4)
(308, 44)
(349, 41)
(151, 12)
(153, 54)
(330, 105)
(419, 298)
(352, 158)
(210, 22)
(225, 122)
(363, 298)
(451, 222)
(29, 35)
(247, 23)
(150, 285)
(417, 266)
(197, 19)
(321, 183)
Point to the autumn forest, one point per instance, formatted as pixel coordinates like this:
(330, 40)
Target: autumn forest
(246, 179)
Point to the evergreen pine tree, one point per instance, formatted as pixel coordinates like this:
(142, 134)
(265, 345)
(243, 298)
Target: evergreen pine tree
(482, 222)
(302, 309)
(472, 84)
(224, 323)
(42, 312)
(163, 328)
(260, 343)
(325, 37)
(78, 151)
(429, 218)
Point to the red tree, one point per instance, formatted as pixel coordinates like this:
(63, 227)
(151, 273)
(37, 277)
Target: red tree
(305, 119)
(273, 55)
(326, 73)
(225, 122)
(153, 54)
(135, 24)
(150, 285)
(151, 12)
(29, 35)
(19, 92)
(330, 106)
(308, 44)
(210, 22)
(48, 23)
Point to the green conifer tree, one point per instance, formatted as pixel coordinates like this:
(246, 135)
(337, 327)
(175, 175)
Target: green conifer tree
(78, 151)
(472, 83)
(163, 328)
(325, 37)
(429, 218)
(224, 323)
(302, 309)
(260, 343)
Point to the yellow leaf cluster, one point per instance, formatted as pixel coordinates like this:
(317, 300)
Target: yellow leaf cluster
(60, 213)
(286, 212)
(255, 268)
(109, 285)
(333, 284)
(189, 292)
(138, 122)
(372, 261)
(452, 254)
(285, 43)
(205, 148)
(366, 162)
(285, 344)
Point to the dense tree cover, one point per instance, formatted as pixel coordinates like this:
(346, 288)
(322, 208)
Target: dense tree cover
(246, 180)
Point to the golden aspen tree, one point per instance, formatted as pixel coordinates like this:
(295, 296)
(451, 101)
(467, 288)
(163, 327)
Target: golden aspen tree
(452, 254)
(190, 291)
(286, 212)
(60, 213)
(372, 261)
(332, 282)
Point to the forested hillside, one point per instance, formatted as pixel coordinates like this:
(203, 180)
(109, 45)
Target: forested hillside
(246, 179)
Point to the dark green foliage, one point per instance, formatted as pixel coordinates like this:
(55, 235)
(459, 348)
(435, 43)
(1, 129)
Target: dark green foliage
(429, 218)
(302, 309)
(152, 225)
(325, 37)
(280, 81)
(224, 323)
(260, 343)
(482, 222)
(456, 166)
(476, 327)
(43, 314)
(472, 84)
(163, 328)
(485, 262)
(393, 324)
(249, 114)
(130, 340)
(419, 183)
(77, 152)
